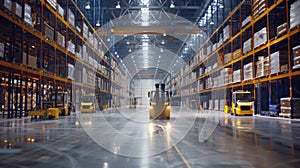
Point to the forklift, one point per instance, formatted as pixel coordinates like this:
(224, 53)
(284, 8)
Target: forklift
(159, 102)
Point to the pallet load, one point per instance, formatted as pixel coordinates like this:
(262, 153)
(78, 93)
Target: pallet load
(278, 62)
(281, 29)
(294, 15)
(258, 7)
(262, 66)
(286, 107)
(248, 73)
(296, 54)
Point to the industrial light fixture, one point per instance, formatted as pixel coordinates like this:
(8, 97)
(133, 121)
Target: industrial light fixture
(221, 6)
(172, 4)
(162, 42)
(129, 50)
(88, 6)
(118, 6)
(211, 22)
(98, 23)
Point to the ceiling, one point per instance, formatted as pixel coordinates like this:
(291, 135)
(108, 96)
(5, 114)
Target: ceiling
(150, 38)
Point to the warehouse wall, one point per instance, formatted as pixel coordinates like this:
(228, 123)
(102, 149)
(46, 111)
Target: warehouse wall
(142, 87)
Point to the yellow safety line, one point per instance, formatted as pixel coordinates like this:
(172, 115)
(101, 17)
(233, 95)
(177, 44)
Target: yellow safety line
(182, 157)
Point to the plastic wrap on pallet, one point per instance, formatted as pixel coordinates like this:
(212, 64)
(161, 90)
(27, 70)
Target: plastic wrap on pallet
(248, 72)
(27, 15)
(71, 17)
(294, 14)
(208, 50)
(247, 46)
(214, 47)
(226, 32)
(91, 38)
(277, 59)
(17, 9)
(296, 51)
(237, 76)
(246, 21)
(221, 41)
(71, 47)
(85, 31)
(227, 58)
(281, 29)
(71, 71)
(60, 11)
(60, 40)
(79, 52)
(260, 37)
(7, 4)
(262, 66)
(1, 50)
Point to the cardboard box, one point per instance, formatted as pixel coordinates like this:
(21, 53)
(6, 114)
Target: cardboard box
(71, 17)
(286, 106)
(227, 58)
(71, 47)
(226, 33)
(262, 66)
(281, 29)
(60, 11)
(296, 62)
(237, 53)
(296, 51)
(237, 76)
(278, 59)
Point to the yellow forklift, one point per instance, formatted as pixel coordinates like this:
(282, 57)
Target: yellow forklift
(132, 103)
(242, 103)
(53, 107)
(88, 103)
(159, 103)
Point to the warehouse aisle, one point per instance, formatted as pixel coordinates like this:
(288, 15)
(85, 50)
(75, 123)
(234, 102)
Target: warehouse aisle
(243, 141)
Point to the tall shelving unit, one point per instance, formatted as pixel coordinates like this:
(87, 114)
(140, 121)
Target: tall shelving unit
(250, 50)
(48, 46)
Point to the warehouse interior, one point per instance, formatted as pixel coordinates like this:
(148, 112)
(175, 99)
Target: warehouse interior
(78, 80)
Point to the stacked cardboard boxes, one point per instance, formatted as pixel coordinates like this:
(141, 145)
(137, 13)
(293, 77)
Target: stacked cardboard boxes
(258, 7)
(237, 53)
(286, 107)
(71, 47)
(226, 73)
(278, 62)
(227, 58)
(262, 66)
(27, 15)
(17, 9)
(260, 37)
(246, 21)
(60, 39)
(248, 72)
(296, 55)
(281, 29)
(294, 14)
(71, 17)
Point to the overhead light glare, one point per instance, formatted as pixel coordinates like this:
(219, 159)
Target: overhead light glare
(98, 23)
(118, 6)
(88, 6)
(172, 4)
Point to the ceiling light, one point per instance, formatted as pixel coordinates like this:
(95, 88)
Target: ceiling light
(118, 6)
(145, 2)
(129, 50)
(127, 42)
(98, 23)
(221, 6)
(108, 39)
(165, 34)
(88, 5)
(172, 4)
(116, 52)
(163, 42)
(161, 50)
(211, 22)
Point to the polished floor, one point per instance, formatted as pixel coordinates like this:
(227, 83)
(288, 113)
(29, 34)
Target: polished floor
(127, 138)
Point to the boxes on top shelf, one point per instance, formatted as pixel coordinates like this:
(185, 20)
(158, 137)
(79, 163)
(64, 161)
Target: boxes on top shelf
(247, 46)
(260, 37)
(281, 29)
(248, 71)
(277, 61)
(246, 21)
(294, 14)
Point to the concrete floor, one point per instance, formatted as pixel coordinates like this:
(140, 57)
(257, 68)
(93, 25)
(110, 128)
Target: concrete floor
(127, 138)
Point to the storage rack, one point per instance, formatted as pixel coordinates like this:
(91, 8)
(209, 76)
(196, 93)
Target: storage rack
(40, 44)
(240, 60)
